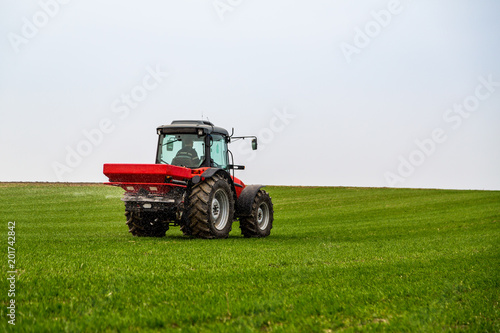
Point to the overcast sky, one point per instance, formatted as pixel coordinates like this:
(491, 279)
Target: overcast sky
(340, 93)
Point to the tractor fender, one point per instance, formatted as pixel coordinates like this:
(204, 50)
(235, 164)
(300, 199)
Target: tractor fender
(209, 173)
(245, 201)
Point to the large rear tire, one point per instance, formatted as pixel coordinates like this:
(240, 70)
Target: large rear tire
(260, 223)
(186, 230)
(211, 209)
(141, 224)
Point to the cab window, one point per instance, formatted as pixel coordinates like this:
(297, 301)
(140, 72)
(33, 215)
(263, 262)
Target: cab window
(185, 150)
(218, 151)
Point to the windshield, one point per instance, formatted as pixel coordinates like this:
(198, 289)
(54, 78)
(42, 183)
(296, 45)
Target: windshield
(185, 150)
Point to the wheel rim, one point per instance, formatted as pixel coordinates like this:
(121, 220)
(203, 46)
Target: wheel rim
(263, 216)
(220, 209)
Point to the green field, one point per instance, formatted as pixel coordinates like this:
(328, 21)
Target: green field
(338, 259)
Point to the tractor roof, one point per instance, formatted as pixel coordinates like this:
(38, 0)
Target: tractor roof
(191, 127)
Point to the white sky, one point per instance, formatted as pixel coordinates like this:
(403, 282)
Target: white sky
(350, 123)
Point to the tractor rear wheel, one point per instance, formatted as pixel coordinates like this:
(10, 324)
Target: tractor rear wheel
(145, 225)
(211, 209)
(260, 223)
(186, 230)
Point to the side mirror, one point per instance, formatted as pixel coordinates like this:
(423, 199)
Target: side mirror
(254, 144)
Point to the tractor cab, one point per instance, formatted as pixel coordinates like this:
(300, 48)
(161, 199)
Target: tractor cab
(194, 144)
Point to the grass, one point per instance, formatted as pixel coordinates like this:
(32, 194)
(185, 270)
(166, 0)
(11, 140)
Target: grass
(338, 259)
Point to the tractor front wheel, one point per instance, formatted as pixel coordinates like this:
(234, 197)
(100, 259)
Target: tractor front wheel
(260, 223)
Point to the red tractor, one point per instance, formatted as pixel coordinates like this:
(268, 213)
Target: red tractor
(191, 186)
